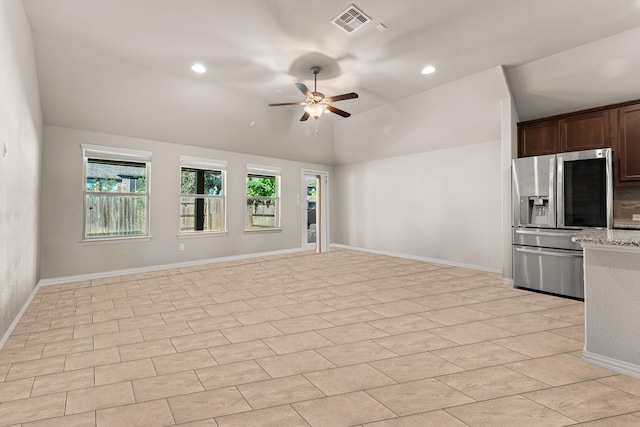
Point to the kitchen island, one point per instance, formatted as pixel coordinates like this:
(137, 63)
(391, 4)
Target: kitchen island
(612, 298)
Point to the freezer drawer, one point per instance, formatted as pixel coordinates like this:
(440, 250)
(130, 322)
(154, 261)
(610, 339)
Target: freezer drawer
(550, 270)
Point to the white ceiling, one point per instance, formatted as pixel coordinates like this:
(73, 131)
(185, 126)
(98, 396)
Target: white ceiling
(123, 66)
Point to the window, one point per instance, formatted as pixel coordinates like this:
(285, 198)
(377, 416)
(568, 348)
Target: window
(263, 197)
(116, 192)
(202, 192)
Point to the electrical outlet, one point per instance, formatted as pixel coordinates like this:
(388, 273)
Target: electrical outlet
(181, 247)
(635, 217)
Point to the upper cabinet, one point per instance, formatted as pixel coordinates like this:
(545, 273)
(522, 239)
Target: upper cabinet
(570, 132)
(628, 149)
(538, 138)
(588, 131)
(614, 126)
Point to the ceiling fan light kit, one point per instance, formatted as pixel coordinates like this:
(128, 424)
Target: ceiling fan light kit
(316, 102)
(315, 110)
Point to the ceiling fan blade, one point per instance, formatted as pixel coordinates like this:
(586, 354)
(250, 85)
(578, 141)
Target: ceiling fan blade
(304, 89)
(304, 117)
(287, 103)
(338, 111)
(342, 97)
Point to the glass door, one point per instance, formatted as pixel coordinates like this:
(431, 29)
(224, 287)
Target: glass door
(585, 193)
(585, 189)
(312, 208)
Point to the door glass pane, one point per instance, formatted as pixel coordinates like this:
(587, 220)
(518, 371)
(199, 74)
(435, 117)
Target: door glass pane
(312, 192)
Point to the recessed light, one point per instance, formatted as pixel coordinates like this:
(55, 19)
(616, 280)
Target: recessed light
(428, 69)
(198, 68)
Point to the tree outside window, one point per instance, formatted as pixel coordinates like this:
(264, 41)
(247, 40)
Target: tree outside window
(201, 200)
(262, 201)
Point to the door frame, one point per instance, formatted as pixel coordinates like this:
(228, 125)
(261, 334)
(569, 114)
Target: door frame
(322, 216)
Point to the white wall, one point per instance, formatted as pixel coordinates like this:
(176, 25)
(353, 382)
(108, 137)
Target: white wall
(63, 253)
(466, 111)
(509, 148)
(20, 133)
(444, 205)
(595, 74)
(425, 176)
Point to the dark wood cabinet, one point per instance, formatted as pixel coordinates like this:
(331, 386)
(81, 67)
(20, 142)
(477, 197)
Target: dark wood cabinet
(587, 131)
(628, 147)
(538, 138)
(615, 126)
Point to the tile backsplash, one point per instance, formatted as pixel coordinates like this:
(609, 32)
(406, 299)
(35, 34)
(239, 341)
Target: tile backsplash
(626, 202)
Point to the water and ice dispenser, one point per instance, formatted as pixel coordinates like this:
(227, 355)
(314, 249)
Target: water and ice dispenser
(535, 211)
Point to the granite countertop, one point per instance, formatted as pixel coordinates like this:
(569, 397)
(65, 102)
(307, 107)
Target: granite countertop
(604, 236)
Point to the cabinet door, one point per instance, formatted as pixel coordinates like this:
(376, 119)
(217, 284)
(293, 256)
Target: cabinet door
(538, 138)
(588, 131)
(628, 153)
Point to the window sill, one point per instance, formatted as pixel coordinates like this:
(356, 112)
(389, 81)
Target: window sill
(109, 240)
(263, 230)
(201, 234)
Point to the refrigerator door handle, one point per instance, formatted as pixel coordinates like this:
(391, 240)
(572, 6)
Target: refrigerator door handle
(553, 171)
(560, 194)
(550, 253)
(543, 233)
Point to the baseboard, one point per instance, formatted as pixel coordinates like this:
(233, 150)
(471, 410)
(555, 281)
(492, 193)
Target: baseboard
(5, 337)
(611, 364)
(419, 258)
(112, 273)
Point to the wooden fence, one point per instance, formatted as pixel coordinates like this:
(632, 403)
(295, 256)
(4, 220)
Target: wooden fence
(115, 215)
(213, 212)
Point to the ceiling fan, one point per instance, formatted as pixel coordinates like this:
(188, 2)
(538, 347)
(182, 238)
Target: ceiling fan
(316, 103)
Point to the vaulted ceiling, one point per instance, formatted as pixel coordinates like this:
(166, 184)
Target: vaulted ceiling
(124, 66)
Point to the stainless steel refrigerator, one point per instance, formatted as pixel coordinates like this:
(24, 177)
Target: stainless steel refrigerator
(553, 197)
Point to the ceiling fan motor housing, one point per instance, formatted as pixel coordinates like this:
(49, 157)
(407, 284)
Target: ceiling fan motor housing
(316, 103)
(316, 98)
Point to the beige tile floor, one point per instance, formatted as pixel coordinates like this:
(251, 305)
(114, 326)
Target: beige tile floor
(339, 339)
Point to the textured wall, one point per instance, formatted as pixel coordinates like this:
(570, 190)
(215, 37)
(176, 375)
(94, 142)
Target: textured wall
(20, 133)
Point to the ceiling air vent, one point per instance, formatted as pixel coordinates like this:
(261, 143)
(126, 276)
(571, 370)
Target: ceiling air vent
(351, 19)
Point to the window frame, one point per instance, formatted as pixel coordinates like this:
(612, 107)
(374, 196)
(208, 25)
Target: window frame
(203, 164)
(116, 154)
(264, 171)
